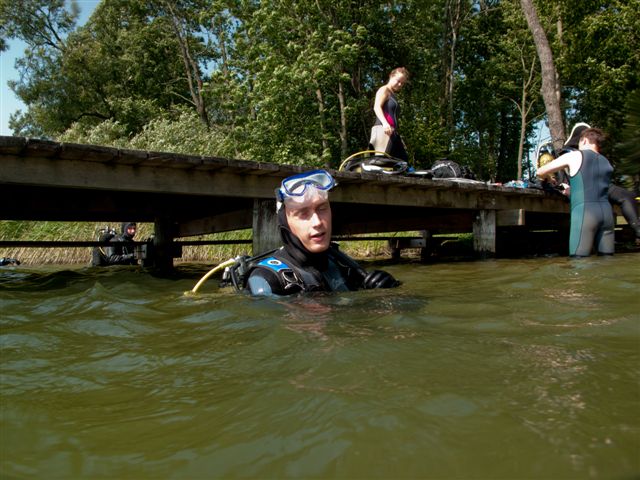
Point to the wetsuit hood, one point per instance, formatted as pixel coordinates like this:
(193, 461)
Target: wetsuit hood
(125, 226)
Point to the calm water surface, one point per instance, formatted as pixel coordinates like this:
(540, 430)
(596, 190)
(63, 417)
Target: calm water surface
(495, 369)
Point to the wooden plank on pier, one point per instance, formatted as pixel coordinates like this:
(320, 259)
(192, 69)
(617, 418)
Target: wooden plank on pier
(41, 148)
(172, 160)
(132, 157)
(193, 194)
(87, 153)
(12, 145)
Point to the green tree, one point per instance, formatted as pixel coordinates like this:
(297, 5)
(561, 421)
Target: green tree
(122, 66)
(410, 34)
(302, 64)
(627, 150)
(44, 26)
(551, 86)
(518, 78)
(184, 19)
(601, 60)
(294, 82)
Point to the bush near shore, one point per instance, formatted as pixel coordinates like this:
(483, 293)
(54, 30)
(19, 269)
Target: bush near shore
(88, 231)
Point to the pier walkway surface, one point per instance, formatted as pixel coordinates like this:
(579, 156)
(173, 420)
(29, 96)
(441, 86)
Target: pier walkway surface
(186, 195)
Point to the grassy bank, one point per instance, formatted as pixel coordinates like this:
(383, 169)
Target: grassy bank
(88, 231)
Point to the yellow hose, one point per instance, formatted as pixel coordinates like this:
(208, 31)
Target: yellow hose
(209, 273)
(362, 153)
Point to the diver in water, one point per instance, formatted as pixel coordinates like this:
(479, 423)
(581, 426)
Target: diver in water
(308, 261)
(122, 254)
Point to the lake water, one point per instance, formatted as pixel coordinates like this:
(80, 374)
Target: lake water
(490, 369)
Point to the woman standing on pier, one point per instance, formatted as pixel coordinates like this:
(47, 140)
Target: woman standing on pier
(384, 133)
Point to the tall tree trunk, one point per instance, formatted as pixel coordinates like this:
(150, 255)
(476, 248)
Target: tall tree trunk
(524, 105)
(454, 16)
(343, 120)
(503, 170)
(523, 130)
(192, 71)
(217, 27)
(323, 133)
(218, 30)
(550, 82)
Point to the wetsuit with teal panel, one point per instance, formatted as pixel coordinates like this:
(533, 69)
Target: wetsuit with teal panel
(591, 214)
(284, 274)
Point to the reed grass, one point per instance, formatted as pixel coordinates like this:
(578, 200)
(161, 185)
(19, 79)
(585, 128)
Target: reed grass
(88, 231)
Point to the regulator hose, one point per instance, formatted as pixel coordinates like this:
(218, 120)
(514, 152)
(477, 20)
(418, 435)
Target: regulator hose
(209, 273)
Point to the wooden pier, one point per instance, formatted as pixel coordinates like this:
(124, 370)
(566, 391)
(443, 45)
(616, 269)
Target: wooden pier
(185, 195)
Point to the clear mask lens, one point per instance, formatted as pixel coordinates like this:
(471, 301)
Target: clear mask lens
(296, 185)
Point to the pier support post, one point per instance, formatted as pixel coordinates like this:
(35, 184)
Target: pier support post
(163, 244)
(266, 235)
(425, 251)
(484, 233)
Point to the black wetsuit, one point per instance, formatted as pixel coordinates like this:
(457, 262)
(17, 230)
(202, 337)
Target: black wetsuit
(282, 274)
(293, 269)
(121, 254)
(628, 205)
(591, 214)
(393, 144)
(8, 261)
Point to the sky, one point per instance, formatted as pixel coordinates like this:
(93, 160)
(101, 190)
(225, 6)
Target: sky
(9, 103)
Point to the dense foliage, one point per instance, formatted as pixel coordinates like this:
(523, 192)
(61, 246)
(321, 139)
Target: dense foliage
(293, 81)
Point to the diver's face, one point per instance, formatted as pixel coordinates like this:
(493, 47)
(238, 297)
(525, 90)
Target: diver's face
(311, 223)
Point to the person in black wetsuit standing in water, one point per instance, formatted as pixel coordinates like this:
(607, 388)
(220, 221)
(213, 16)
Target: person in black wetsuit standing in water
(384, 133)
(123, 254)
(308, 261)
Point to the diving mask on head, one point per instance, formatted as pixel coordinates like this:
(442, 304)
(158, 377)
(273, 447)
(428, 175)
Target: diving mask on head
(297, 187)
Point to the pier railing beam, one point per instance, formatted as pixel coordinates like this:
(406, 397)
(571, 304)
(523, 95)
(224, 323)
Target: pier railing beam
(266, 235)
(484, 233)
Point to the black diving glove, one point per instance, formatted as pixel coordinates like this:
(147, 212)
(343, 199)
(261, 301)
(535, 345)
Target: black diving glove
(380, 279)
